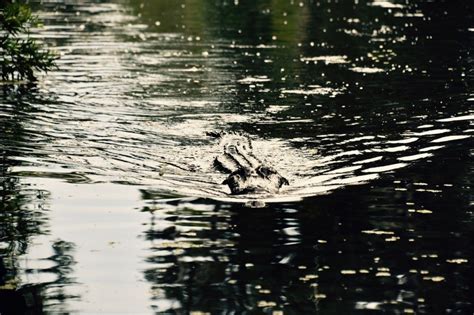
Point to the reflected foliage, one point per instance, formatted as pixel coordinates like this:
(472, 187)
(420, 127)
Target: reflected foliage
(204, 252)
(22, 218)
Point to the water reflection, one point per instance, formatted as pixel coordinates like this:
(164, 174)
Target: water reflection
(23, 218)
(246, 260)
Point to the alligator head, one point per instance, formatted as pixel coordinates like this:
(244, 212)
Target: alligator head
(263, 179)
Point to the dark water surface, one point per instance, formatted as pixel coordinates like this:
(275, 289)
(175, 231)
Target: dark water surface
(109, 202)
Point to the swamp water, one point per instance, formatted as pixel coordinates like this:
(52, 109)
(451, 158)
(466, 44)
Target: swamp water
(110, 204)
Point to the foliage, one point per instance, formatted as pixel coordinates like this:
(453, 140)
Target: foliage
(20, 55)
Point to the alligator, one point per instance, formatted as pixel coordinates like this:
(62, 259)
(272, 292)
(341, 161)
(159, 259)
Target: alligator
(247, 174)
